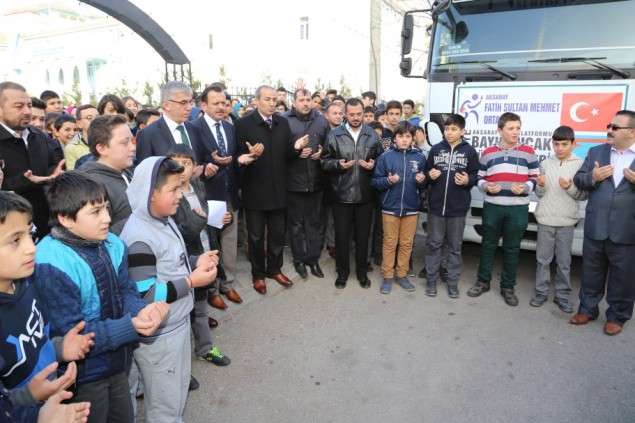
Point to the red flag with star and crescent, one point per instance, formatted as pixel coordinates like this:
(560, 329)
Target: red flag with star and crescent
(590, 112)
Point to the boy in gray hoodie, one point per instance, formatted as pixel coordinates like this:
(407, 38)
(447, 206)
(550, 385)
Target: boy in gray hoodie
(557, 215)
(163, 272)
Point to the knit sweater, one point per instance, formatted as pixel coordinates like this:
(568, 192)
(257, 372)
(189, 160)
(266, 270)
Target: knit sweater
(559, 207)
(505, 167)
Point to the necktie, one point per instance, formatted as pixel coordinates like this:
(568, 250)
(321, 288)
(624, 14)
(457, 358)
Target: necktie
(220, 140)
(269, 123)
(184, 138)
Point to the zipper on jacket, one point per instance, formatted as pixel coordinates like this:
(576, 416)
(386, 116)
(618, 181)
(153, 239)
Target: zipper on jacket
(447, 180)
(403, 184)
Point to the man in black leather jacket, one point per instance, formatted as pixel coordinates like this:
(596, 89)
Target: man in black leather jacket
(350, 159)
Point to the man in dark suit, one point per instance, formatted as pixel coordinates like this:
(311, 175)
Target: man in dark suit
(608, 173)
(27, 156)
(215, 141)
(264, 143)
(172, 128)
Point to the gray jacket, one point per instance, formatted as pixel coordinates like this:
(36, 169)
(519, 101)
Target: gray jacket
(158, 259)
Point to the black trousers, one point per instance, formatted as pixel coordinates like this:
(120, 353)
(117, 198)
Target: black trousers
(109, 398)
(303, 219)
(347, 217)
(602, 258)
(273, 221)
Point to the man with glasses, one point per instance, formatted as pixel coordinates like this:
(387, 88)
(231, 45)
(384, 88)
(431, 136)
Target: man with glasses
(78, 147)
(172, 128)
(608, 173)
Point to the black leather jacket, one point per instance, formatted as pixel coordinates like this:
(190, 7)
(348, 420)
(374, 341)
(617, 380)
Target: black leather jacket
(351, 185)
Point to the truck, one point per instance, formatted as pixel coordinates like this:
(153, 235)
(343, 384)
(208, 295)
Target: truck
(553, 62)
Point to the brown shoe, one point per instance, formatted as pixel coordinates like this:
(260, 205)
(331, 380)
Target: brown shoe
(260, 286)
(217, 302)
(579, 319)
(281, 279)
(211, 322)
(331, 250)
(233, 296)
(611, 328)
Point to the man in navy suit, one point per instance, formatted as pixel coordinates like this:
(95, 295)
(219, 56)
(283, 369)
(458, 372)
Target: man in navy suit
(608, 173)
(157, 138)
(215, 142)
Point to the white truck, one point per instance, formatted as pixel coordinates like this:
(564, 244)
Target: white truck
(553, 62)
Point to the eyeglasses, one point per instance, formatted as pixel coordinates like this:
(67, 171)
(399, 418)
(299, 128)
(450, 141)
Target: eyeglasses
(615, 127)
(183, 102)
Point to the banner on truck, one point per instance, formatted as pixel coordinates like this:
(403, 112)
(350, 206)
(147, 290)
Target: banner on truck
(587, 108)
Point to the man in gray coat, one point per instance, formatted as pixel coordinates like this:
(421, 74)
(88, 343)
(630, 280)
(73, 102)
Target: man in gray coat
(608, 173)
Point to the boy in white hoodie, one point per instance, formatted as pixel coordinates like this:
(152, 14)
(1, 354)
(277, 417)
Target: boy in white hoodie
(557, 215)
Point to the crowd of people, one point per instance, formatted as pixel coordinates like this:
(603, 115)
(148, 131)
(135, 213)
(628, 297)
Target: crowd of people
(120, 225)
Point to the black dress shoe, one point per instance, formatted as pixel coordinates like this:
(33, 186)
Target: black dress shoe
(300, 269)
(316, 271)
(340, 283)
(364, 282)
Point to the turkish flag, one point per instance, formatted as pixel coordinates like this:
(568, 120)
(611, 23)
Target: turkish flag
(589, 112)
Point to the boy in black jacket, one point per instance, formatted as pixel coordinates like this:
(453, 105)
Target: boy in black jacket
(451, 172)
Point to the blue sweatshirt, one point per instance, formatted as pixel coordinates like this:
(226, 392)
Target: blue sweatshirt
(402, 198)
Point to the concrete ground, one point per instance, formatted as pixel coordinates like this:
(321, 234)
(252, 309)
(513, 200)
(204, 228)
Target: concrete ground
(312, 353)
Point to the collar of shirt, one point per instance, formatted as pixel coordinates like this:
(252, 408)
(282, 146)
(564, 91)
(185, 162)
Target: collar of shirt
(175, 132)
(354, 134)
(24, 135)
(212, 126)
(264, 118)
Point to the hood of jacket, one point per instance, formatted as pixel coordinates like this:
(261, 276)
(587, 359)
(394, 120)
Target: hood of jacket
(142, 186)
(102, 169)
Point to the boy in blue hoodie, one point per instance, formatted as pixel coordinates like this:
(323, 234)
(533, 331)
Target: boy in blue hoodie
(82, 275)
(28, 353)
(163, 271)
(451, 172)
(399, 176)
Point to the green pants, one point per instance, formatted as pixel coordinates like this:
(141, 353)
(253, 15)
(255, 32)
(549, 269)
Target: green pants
(510, 222)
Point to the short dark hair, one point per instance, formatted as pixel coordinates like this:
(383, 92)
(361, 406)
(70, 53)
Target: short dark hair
(629, 114)
(369, 109)
(214, 87)
(50, 118)
(167, 168)
(507, 117)
(409, 102)
(70, 191)
(352, 102)
(100, 131)
(47, 95)
(394, 104)
(62, 119)
(375, 125)
(12, 202)
(455, 119)
(181, 151)
(129, 114)
(143, 116)
(303, 91)
(111, 98)
(36, 103)
(83, 107)
(339, 97)
(281, 89)
(563, 133)
(331, 91)
(380, 112)
(404, 127)
(369, 94)
(283, 104)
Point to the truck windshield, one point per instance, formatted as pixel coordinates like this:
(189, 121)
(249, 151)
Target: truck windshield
(530, 40)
